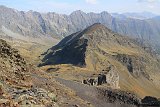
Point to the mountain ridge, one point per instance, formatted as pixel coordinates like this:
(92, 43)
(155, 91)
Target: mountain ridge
(135, 15)
(97, 49)
(48, 25)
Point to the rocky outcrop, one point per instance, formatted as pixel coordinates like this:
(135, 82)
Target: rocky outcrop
(108, 77)
(101, 79)
(113, 77)
(34, 96)
(123, 97)
(14, 68)
(150, 101)
(135, 65)
(119, 97)
(16, 86)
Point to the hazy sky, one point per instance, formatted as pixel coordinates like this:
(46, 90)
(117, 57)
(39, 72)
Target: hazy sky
(68, 6)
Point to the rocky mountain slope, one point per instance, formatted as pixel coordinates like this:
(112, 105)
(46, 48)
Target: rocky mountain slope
(14, 69)
(23, 85)
(128, 64)
(30, 25)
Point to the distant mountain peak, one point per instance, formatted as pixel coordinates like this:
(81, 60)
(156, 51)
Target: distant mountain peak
(142, 15)
(105, 12)
(77, 12)
(2, 6)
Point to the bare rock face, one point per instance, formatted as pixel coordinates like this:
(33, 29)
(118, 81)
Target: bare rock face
(135, 65)
(113, 78)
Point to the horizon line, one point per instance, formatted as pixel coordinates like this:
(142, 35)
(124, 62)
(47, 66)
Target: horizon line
(76, 11)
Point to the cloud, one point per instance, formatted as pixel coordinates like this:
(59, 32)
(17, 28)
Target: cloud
(150, 4)
(91, 1)
(149, 1)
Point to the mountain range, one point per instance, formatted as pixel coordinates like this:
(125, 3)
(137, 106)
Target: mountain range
(134, 15)
(32, 25)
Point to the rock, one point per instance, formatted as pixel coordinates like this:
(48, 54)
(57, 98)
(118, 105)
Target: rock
(101, 79)
(8, 103)
(1, 89)
(49, 70)
(14, 67)
(134, 64)
(4, 101)
(150, 101)
(90, 81)
(118, 96)
(53, 97)
(112, 78)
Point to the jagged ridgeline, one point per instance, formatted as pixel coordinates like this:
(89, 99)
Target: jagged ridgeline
(96, 48)
(20, 24)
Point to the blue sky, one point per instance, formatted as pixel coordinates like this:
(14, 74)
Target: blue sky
(68, 6)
